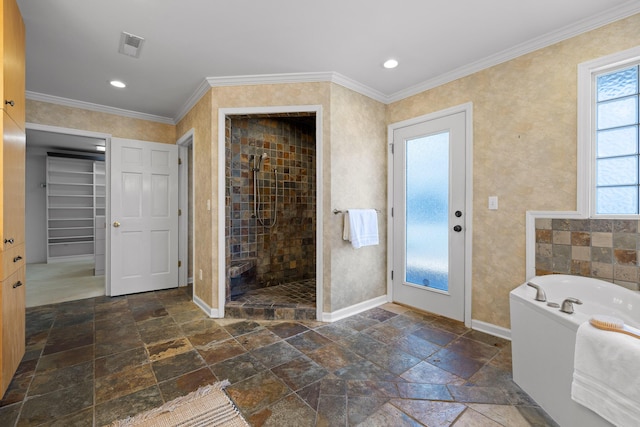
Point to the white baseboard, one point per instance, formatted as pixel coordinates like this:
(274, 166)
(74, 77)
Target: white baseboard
(71, 258)
(211, 312)
(354, 309)
(491, 329)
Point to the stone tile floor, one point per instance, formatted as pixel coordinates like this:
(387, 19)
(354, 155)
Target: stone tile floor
(92, 361)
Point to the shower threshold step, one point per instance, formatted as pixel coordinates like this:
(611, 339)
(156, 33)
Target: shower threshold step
(289, 301)
(258, 312)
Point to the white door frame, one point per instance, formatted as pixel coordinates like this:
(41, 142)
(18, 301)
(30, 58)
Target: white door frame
(468, 110)
(184, 143)
(107, 162)
(222, 115)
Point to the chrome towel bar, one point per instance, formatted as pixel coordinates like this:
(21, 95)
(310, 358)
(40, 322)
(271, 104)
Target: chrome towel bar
(337, 211)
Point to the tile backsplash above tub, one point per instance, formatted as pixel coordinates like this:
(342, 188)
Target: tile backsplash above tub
(605, 249)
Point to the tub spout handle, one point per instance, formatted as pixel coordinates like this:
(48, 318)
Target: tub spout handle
(567, 305)
(540, 295)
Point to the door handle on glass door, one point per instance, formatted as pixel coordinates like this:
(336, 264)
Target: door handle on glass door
(116, 224)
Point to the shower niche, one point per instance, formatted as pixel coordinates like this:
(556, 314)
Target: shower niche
(270, 205)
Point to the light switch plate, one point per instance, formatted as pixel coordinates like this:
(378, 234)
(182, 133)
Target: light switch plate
(493, 203)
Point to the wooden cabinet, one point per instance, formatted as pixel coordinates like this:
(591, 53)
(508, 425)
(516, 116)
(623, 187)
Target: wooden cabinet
(12, 197)
(13, 325)
(12, 190)
(13, 62)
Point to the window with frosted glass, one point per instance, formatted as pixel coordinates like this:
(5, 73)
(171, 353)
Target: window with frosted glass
(427, 211)
(617, 155)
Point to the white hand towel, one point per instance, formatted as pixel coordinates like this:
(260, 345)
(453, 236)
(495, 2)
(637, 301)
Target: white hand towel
(363, 227)
(606, 376)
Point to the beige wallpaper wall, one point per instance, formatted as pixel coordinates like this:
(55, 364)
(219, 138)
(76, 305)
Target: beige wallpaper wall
(45, 113)
(524, 119)
(199, 119)
(524, 152)
(358, 180)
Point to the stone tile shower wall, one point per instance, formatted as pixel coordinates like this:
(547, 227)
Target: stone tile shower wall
(286, 252)
(602, 248)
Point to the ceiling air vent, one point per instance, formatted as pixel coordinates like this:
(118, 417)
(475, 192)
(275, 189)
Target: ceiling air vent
(130, 44)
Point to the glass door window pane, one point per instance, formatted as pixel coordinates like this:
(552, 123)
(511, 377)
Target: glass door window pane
(427, 210)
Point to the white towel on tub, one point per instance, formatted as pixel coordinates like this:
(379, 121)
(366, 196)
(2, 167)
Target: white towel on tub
(363, 227)
(606, 376)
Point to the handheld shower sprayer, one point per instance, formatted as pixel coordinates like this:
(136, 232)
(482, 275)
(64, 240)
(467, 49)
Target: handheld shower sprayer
(257, 163)
(262, 158)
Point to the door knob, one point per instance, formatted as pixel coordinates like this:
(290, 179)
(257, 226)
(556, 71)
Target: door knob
(457, 228)
(116, 224)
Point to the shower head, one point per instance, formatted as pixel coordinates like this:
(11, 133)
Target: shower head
(262, 157)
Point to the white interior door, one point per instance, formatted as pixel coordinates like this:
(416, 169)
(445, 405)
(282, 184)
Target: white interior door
(143, 224)
(429, 215)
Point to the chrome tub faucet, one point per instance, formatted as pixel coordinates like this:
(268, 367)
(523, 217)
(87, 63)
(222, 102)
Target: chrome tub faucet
(567, 305)
(540, 295)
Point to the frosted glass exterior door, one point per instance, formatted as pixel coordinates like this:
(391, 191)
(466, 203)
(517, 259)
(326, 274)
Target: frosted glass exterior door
(144, 216)
(429, 215)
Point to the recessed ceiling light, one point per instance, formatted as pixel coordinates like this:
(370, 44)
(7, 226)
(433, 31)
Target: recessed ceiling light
(390, 63)
(117, 83)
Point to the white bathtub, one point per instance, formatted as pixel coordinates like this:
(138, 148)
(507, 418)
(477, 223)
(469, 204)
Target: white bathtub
(543, 339)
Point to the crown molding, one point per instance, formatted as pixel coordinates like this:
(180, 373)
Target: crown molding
(35, 96)
(285, 78)
(200, 91)
(263, 79)
(615, 14)
(328, 76)
(359, 88)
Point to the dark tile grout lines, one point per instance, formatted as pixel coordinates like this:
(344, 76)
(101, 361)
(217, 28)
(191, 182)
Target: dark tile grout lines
(92, 361)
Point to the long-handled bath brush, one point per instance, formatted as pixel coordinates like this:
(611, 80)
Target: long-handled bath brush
(613, 324)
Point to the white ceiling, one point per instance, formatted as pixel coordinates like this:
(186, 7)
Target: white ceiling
(72, 45)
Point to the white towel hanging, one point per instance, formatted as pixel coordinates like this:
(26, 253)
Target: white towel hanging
(363, 227)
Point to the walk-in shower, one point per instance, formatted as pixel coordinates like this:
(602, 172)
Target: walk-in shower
(270, 209)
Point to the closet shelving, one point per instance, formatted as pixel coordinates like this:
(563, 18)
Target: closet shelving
(72, 199)
(99, 193)
(100, 226)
